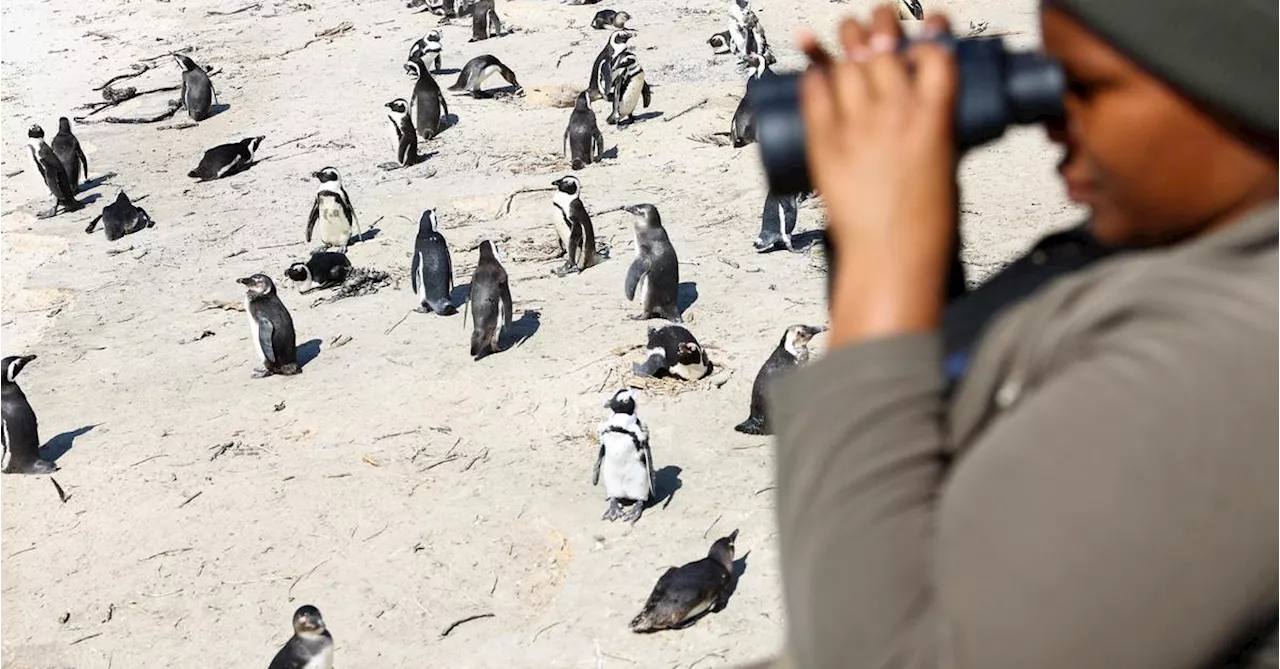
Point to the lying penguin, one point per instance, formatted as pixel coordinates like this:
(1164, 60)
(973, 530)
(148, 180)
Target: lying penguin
(226, 159)
(673, 351)
(625, 459)
(121, 218)
(684, 593)
(324, 269)
(20, 434)
(791, 352)
(310, 647)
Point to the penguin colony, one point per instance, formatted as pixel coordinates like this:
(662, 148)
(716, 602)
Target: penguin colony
(624, 465)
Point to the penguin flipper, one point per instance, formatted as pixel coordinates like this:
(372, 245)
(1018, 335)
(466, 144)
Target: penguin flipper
(639, 268)
(595, 475)
(505, 293)
(414, 268)
(84, 162)
(646, 454)
(93, 225)
(653, 367)
(647, 94)
(311, 220)
(266, 332)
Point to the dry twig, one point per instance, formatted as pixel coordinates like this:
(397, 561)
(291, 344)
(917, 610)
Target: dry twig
(684, 111)
(468, 619)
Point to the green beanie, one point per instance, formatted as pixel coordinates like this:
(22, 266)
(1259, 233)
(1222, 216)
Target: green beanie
(1220, 53)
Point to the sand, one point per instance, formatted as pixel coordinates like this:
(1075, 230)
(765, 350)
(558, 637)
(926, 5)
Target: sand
(396, 484)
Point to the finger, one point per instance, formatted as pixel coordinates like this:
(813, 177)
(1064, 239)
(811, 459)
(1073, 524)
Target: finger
(812, 49)
(886, 70)
(936, 79)
(854, 39)
(886, 30)
(936, 25)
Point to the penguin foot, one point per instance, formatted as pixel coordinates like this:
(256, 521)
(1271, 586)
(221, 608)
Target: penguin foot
(47, 214)
(566, 270)
(289, 369)
(260, 373)
(421, 309)
(388, 166)
(752, 425)
(614, 511)
(637, 510)
(34, 467)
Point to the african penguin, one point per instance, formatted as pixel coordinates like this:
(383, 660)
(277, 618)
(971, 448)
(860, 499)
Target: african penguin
(333, 211)
(601, 81)
(404, 136)
(573, 226)
(742, 130)
(777, 222)
(756, 42)
(428, 108)
(684, 593)
(226, 159)
(18, 423)
(324, 269)
(67, 148)
(54, 174)
(792, 351)
(484, 21)
(737, 26)
(270, 328)
(477, 71)
(910, 9)
(654, 275)
(198, 95)
(310, 647)
(628, 86)
(720, 43)
(430, 49)
(607, 18)
(121, 218)
(673, 351)
(490, 302)
(432, 270)
(625, 459)
(582, 139)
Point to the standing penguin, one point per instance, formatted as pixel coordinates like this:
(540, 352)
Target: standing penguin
(573, 226)
(582, 139)
(756, 42)
(737, 26)
(404, 136)
(601, 82)
(430, 49)
(270, 328)
(321, 270)
(332, 208)
(655, 273)
(432, 270)
(484, 21)
(674, 351)
(625, 459)
(54, 174)
(19, 430)
(67, 148)
(743, 128)
(198, 95)
(310, 647)
(121, 218)
(226, 159)
(628, 86)
(791, 352)
(684, 593)
(777, 222)
(477, 71)
(490, 302)
(607, 18)
(428, 107)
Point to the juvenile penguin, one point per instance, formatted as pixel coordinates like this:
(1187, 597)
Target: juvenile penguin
(607, 18)
(404, 136)
(121, 218)
(21, 436)
(625, 459)
(628, 86)
(270, 328)
(684, 593)
(198, 95)
(430, 49)
(601, 82)
(791, 352)
(654, 275)
(322, 270)
(742, 131)
(432, 270)
(582, 139)
(673, 351)
(720, 43)
(67, 148)
(310, 647)
(777, 222)
(429, 107)
(573, 226)
(477, 71)
(490, 302)
(54, 174)
(484, 21)
(226, 159)
(332, 209)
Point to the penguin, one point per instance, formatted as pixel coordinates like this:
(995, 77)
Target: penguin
(490, 302)
(18, 426)
(737, 26)
(310, 647)
(226, 159)
(684, 593)
(332, 209)
(601, 80)
(198, 95)
(430, 49)
(121, 218)
(54, 174)
(628, 86)
(756, 41)
(67, 148)
(674, 351)
(573, 226)
(607, 18)
(484, 21)
(910, 9)
(625, 459)
(270, 328)
(777, 222)
(720, 43)
(479, 69)
(404, 136)
(432, 270)
(655, 273)
(429, 107)
(581, 2)
(582, 139)
(742, 130)
(792, 351)
(323, 269)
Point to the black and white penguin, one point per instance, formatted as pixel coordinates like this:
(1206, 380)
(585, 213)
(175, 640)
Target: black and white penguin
(310, 647)
(629, 87)
(737, 24)
(477, 71)
(910, 9)
(19, 429)
(121, 218)
(684, 593)
(226, 159)
(484, 21)
(742, 130)
(654, 275)
(490, 302)
(777, 222)
(67, 148)
(601, 82)
(432, 270)
(404, 136)
(270, 327)
(607, 18)
(428, 107)
(791, 352)
(583, 142)
(198, 95)
(625, 459)
(757, 43)
(430, 49)
(673, 351)
(333, 211)
(573, 226)
(54, 174)
(323, 269)
(720, 43)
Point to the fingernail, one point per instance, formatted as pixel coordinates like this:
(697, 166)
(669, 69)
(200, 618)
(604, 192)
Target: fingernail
(881, 43)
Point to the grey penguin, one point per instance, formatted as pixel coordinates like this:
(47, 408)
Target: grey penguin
(484, 21)
(19, 429)
(54, 174)
(310, 647)
(322, 270)
(684, 593)
(583, 141)
(490, 302)
(198, 95)
(428, 107)
(792, 351)
(654, 275)
(674, 351)
(121, 218)
(608, 18)
(432, 270)
(742, 130)
(628, 86)
(719, 43)
(430, 49)
(477, 71)
(910, 9)
(601, 80)
(404, 135)
(226, 159)
(67, 148)
(777, 222)
(270, 327)
(333, 211)
(625, 459)
(573, 226)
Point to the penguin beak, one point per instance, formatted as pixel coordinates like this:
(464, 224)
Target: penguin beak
(246, 280)
(26, 359)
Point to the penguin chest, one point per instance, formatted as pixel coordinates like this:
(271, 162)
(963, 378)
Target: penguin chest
(563, 226)
(488, 72)
(335, 228)
(625, 474)
(255, 332)
(629, 96)
(322, 659)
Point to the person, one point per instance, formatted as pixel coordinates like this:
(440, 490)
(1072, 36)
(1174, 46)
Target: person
(1099, 488)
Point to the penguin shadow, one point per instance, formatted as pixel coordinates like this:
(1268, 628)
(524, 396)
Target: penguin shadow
(522, 329)
(666, 482)
(739, 568)
(611, 154)
(460, 294)
(446, 71)
(307, 351)
(96, 181)
(59, 445)
(364, 236)
(641, 117)
(686, 295)
(804, 240)
(214, 110)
